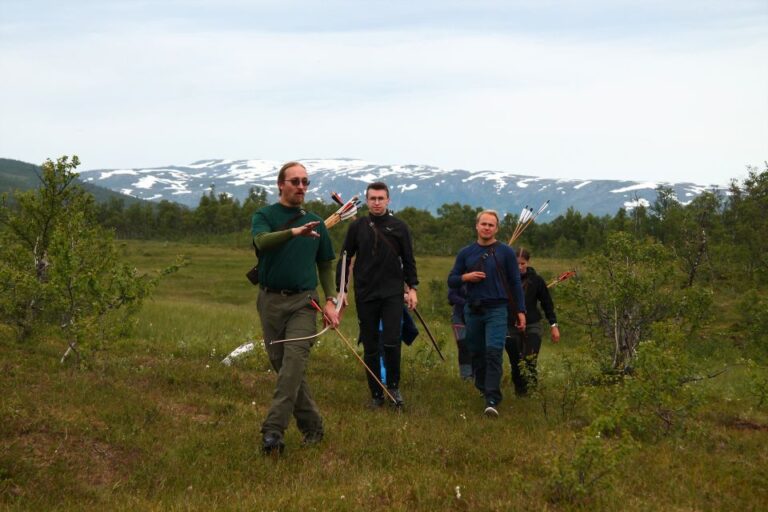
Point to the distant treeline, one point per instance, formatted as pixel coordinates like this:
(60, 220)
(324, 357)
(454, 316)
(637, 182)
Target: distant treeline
(712, 230)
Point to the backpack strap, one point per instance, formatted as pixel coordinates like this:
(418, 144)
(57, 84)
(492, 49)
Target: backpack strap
(502, 276)
(378, 234)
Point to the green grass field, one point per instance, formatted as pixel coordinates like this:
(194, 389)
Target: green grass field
(155, 422)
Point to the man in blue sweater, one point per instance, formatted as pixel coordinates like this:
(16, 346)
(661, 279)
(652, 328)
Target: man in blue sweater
(489, 269)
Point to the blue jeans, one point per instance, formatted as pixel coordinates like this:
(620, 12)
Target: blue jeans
(486, 333)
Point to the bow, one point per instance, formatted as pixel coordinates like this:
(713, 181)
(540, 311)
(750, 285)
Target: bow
(429, 333)
(249, 346)
(342, 295)
(352, 348)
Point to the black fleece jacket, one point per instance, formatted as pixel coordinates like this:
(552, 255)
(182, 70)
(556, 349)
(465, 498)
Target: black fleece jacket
(383, 257)
(536, 290)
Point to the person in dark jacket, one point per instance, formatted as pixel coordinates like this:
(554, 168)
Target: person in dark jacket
(489, 270)
(525, 345)
(457, 297)
(382, 247)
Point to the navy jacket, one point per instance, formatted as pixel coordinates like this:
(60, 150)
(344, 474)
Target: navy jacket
(491, 291)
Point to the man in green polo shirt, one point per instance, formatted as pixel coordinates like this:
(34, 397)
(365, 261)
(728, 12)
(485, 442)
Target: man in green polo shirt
(294, 248)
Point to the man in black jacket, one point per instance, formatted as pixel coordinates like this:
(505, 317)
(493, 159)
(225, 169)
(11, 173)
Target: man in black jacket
(383, 250)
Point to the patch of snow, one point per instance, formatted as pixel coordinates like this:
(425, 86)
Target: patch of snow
(697, 189)
(628, 205)
(639, 186)
(368, 178)
(146, 182)
(523, 183)
(109, 174)
(405, 188)
(208, 163)
(577, 187)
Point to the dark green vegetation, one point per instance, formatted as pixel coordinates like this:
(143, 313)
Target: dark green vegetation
(156, 422)
(58, 267)
(18, 175)
(656, 398)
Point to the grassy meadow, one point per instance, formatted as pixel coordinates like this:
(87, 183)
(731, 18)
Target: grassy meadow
(155, 422)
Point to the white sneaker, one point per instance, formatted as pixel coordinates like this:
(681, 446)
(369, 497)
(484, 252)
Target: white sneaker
(491, 412)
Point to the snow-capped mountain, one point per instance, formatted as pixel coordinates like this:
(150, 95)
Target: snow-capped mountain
(421, 186)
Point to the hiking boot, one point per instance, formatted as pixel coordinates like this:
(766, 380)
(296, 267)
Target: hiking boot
(490, 410)
(395, 392)
(272, 444)
(376, 402)
(312, 438)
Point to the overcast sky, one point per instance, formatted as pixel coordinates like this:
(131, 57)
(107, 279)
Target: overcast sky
(644, 90)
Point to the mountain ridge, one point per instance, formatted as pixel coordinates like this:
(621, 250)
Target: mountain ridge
(412, 185)
(20, 175)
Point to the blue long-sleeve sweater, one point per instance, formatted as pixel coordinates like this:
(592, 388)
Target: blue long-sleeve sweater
(490, 291)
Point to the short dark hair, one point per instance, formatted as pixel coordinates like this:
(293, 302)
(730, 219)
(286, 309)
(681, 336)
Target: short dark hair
(524, 253)
(377, 185)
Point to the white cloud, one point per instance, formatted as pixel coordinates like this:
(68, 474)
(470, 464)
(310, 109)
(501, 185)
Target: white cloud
(690, 106)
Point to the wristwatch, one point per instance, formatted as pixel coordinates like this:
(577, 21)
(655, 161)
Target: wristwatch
(332, 299)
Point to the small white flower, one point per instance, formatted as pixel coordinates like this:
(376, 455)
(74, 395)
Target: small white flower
(253, 403)
(463, 416)
(458, 492)
(342, 496)
(207, 366)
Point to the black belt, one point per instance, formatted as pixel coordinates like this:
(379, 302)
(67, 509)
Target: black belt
(284, 293)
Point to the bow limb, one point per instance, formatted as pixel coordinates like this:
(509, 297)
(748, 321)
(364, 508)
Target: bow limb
(341, 297)
(302, 338)
(429, 333)
(345, 340)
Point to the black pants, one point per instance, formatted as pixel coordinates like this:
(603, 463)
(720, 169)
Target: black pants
(389, 313)
(524, 347)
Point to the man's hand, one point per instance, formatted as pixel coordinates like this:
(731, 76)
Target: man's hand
(473, 277)
(555, 332)
(411, 299)
(330, 314)
(307, 229)
(520, 322)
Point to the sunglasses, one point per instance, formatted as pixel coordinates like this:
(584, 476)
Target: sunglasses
(297, 181)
